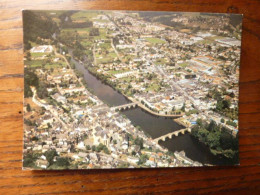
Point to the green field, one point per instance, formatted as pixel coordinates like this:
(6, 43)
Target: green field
(33, 63)
(35, 55)
(106, 58)
(154, 40)
(39, 63)
(161, 61)
(102, 34)
(87, 42)
(100, 20)
(83, 15)
(184, 64)
(79, 30)
(153, 87)
(117, 72)
(216, 37)
(205, 41)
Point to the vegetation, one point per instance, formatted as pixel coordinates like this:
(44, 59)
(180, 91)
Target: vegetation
(139, 141)
(194, 111)
(102, 147)
(66, 21)
(143, 158)
(28, 108)
(94, 32)
(154, 40)
(29, 159)
(223, 105)
(217, 138)
(50, 154)
(62, 162)
(37, 24)
(30, 79)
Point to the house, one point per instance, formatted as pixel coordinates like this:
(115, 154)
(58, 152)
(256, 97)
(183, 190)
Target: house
(59, 98)
(132, 159)
(101, 137)
(93, 157)
(42, 163)
(82, 154)
(42, 49)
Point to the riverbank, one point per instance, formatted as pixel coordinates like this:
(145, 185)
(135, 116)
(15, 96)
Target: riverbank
(178, 120)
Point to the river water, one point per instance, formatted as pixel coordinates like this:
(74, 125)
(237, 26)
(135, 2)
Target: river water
(153, 125)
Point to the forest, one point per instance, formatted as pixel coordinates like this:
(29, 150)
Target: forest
(37, 24)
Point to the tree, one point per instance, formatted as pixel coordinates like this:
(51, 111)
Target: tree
(30, 79)
(50, 154)
(49, 125)
(139, 141)
(93, 148)
(143, 158)
(28, 56)
(27, 46)
(231, 123)
(42, 91)
(62, 162)
(222, 120)
(183, 107)
(226, 104)
(28, 108)
(29, 159)
(212, 126)
(94, 32)
(105, 150)
(213, 139)
(35, 138)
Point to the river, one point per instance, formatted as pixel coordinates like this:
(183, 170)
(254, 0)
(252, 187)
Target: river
(153, 125)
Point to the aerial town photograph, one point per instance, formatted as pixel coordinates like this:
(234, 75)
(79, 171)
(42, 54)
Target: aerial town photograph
(130, 89)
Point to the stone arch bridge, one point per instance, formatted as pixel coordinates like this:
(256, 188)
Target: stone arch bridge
(170, 135)
(125, 106)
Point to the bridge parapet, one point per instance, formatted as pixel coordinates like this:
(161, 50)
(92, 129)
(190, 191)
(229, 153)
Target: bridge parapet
(172, 134)
(125, 106)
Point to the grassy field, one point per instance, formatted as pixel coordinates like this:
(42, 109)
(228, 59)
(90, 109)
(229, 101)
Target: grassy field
(117, 72)
(83, 15)
(100, 20)
(33, 63)
(105, 46)
(87, 42)
(106, 58)
(154, 40)
(184, 64)
(39, 63)
(35, 55)
(206, 41)
(161, 61)
(153, 87)
(102, 34)
(79, 30)
(216, 37)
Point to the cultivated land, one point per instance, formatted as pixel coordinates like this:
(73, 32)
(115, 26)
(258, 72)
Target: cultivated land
(167, 67)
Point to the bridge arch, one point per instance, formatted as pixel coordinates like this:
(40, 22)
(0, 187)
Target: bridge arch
(172, 134)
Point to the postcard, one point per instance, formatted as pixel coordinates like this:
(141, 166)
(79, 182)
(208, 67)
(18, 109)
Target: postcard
(130, 89)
